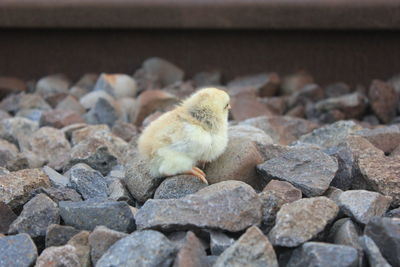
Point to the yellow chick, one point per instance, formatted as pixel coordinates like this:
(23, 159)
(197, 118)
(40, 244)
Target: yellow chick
(195, 131)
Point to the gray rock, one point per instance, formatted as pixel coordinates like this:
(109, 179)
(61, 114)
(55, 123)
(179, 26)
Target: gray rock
(164, 72)
(89, 100)
(394, 213)
(323, 254)
(385, 138)
(142, 248)
(59, 257)
(80, 242)
(100, 240)
(17, 130)
(373, 253)
(248, 132)
(71, 104)
(86, 181)
(118, 192)
(263, 84)
(284, 190)
(302, 220)
(37, 215)
(251, 249)
(219, 242)
(58, 194)
(17, 250)
(58, 235)
(117, 85)
(229, 206)
(31, 114)
(86, 215)
(385, 232)
(383, 100)
(56, 179)
(178, 186)
(309, 170)
(52, 85)
(7, 216)
(192, 253)
(337, 89)
(102, 113)
(363, 205)
(8, 152)
(207, 78)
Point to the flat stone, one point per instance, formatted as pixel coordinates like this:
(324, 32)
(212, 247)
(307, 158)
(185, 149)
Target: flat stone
(263, 84)
(100, 240)
(302, 220)
(219, 242)
(17, 250)
(324, 254)
(15, 187)
(142, 248)
(86, 215)
(81, 243)
(59, 257)
(58, 235)
(282, 129)
(17, 130)
(385, 138)
(192, 253)
(251, 249)
(309, 170)
(294, 82)
(383, 100)
(60, 118)
(70, 103)
(7, 216)
(229, 206)
(385, 232)
(117, 85)
(247, 105)
(103, 112)
(165, 72)
(50, 145)
(373, 253)
(178, 187)
(37, 215)
(86, 181)
(56, 179)
(58, 194)
(363, 205)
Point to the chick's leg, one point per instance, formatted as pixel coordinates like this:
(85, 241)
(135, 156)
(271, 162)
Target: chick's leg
(198, 173)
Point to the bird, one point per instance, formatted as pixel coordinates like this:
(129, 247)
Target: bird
(194, 131)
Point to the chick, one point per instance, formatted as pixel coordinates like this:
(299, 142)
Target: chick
(195, 131)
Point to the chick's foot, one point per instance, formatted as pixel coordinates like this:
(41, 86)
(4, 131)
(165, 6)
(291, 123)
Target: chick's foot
(198, 173)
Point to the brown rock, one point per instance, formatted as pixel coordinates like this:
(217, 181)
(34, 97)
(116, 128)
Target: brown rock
(297, 111)
(264, 84)
(15, 187)
(383, 99)
(53, 88)
(82, 133)
(125, 130)
(60, 118)
(284, 190)
(8, 152)
(70, 103)
(11, 85)
(295, 82)
(81, 243)
(151, 101)
(58, 257)
(309, 93)
(276, 104)
(246, 105)
(192, 253)
(33, 101)
(7, 216)
(385, 138)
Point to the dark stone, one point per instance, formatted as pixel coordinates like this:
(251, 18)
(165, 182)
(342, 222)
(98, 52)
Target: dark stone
(178, 186)
(17, 250)
(373, 253)
(219, 242)
(56, 179)
(58, 235)
(58, 194)
(7, 216)
(102, 113)
(192, 253)
(383, 100)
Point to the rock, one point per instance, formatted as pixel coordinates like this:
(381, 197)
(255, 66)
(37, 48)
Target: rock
(138, 180)
(178, 187)
(58, 257)
(385, 232)
(219, 242)
(17, 250)
(127, 107)
(363, 205)
(337, 89)
(323, 254)
(142, 248)
(385, 138)
(294, 82)
(246, 105)
(345, 232)
(33, 101)
(118, 192)
(96, 152)
(30, 114)
(164, 72)
(309, 170)
(124, 130)
(58, 194)
(192, 253)
(375, 257)
(88, 182)
(282, 129)
(16, 186)
(228, 206)
(277, 105)
(309, 93)
(351, 105)
(86, 215)
(58, 235)
(7, 216)
(100, 240)
(53, 88)
(393, 213)
(383, 100)
(60, 118)
(330, 135)
(17, 130)
(117, 85)
(333, 193)
(8, 152)
(283, 190)
(56, 179)
(207, 78)
(150, 101)
(81, 133)
(302, 220)
(297, 111)
(89, 100)
(71, 104)
(81, 243)
(103, 112)
(4, 115)
(240, 158)
(50, 145)
(263, 84)
(251, 249)
(11, 85)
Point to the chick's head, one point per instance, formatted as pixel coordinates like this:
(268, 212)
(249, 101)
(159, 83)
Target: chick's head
(210, 106)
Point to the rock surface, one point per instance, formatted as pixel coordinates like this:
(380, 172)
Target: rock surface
(178, 186)
(58, 257)
(373, 253)
(58, 235)
(192, 253)
(17, 250)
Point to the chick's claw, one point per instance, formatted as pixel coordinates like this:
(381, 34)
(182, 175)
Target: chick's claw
(198, 173)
